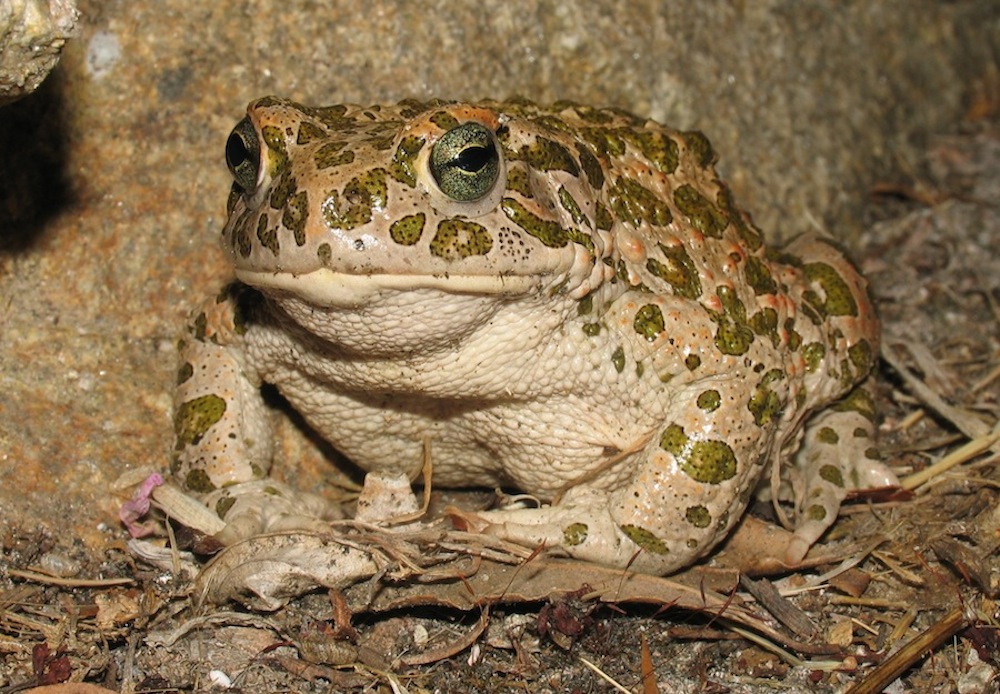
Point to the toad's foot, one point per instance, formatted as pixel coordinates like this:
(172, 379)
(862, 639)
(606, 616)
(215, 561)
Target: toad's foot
(242, 511)
(838, 454)
(582, 527)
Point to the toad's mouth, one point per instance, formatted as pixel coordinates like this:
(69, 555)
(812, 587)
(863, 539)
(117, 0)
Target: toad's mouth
(326, 288)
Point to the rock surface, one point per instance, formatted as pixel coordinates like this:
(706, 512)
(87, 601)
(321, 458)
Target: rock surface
(32, 35)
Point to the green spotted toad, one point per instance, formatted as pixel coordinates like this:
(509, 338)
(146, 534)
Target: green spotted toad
(563, 300)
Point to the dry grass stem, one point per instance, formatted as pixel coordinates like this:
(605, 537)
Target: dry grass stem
(960, 455)
(39, 577)
(962, 419)
(604, 676)
(877, 680)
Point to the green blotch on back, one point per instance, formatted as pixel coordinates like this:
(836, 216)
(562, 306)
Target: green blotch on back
(411, 108)
(548, 155)
(709, 400)
(570, 205)
(678, 270)
(607, 141)
(692, 362)
(764, 402)
(698, 516)
(794, 338)
(382, 142)
(660, 149)
(618, 359)
(813, 354)
(602, 217)
(645, 539)
(592, 168)
(334, 117)
(750, 235)
(546, 231)
(635, 204)
(708, 461)
(839, 299)
(371, 185)
(700, 211)
(407, 230)
(458, 238)
(765, 324)
(734, 336)
(554, 123)
(195, 417)
(759, 277)
(574, 534)
(700, 147)
(648, 321)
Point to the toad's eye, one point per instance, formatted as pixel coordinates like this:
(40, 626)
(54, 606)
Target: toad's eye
(465, 162)
(243, 155)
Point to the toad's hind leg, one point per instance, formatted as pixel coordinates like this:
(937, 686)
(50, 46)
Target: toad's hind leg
(838, 454)
(691, 484)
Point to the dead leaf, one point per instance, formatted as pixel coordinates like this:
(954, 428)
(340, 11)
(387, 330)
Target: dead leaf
(266, 571)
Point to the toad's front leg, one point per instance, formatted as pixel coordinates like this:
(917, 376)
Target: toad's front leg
(224, 438)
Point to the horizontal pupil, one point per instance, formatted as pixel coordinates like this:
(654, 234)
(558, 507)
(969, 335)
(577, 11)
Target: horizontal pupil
(474, 157)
